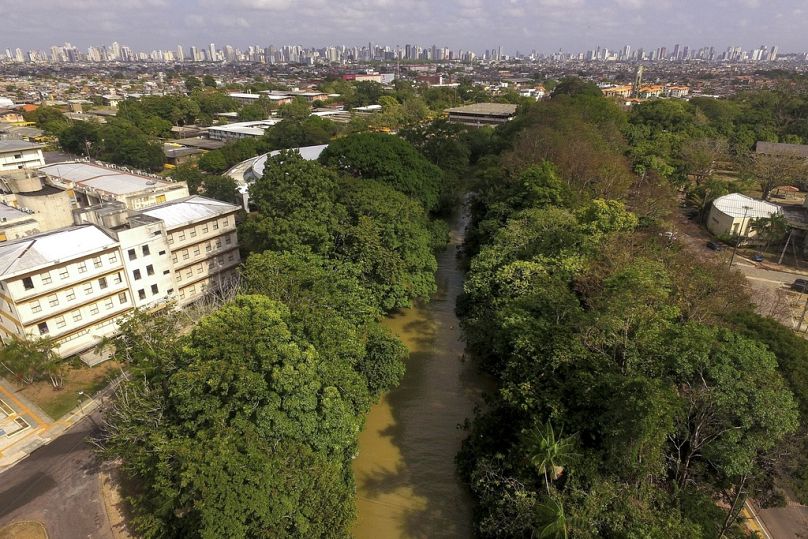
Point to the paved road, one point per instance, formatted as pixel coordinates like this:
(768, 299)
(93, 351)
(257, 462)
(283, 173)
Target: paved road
(58, 485)
(786, 522)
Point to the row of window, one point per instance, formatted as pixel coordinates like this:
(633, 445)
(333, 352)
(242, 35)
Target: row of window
(64, 273)
(203, 229)
(196, 250)
(154, 291)
(53, 299)
(60, 321)
(211, 265)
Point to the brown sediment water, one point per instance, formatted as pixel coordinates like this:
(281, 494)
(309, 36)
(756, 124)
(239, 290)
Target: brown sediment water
(405, 473)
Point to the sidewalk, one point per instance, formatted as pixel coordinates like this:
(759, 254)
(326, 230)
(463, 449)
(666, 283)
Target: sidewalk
(41, 429)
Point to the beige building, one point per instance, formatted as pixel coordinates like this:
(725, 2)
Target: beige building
(89, 183)
(75, 284)
(202, 243)
(733, 214)
(69, 285)
(20, 154)
(480, 114)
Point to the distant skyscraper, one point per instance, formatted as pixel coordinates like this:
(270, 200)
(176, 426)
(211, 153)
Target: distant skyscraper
(180, 54)
(212, 52)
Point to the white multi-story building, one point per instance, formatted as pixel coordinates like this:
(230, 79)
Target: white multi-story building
(75, 284)
(20, 154)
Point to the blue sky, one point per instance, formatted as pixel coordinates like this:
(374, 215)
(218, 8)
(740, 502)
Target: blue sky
(544, 25)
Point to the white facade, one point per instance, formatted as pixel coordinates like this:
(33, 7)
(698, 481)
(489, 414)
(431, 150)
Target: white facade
(75, 284)
(19, 154)
(732, 214)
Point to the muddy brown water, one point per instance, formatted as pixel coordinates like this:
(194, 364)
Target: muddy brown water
(405, 474)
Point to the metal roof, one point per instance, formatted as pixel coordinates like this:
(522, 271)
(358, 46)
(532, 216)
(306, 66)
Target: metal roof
(17, 145)
(188, 210)
(42, 250)
(485, 109)
(779, 148)
(110, 180)
(738, 205)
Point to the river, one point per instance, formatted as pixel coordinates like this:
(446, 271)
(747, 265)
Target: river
(405, 472)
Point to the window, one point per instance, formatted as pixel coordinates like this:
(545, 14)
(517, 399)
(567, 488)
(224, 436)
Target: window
(170, 291)
(196, 250)
(136, 274)
(43, 328)
(149, 270)
(193, 232)
(76, 316)
(205, 228)
(189, 273)
(132, 254)
(108, 304)
(113, 258)
(64, 274)
(60, 322)
(156, 233)
(117, 278)
(94, 308)
(141, 294)
(146, 251)
(218, 244)
(53, 300)
(171, 240)
(185, 254)
(17, 156)
(97, 262)
(154, 289)
(28, 283)
(208, 248)
(215, 225)
(35, 306)
(174, 259)
(46, 278)
(231, 257)
(71, 295)
(161, 253)
(181, 236)
(199, 269)
(82, 267)
(122, 298)
(166, 272)
(228, 239)
(102, 283)
(88, 289)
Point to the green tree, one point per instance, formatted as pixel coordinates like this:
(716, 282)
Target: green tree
(31, 360)
(296, 206)
(388, 159)
(222, 188)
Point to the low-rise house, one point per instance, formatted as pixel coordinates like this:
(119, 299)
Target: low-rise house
(20, 154)
(732, 215)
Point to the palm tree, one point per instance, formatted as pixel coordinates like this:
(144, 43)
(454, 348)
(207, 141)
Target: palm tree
(551, 520)
(547, 452)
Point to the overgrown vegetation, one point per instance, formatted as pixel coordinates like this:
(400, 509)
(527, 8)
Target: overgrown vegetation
(638, 396)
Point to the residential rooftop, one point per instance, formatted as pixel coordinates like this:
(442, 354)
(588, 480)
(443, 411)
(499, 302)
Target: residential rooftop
(738, 205)
(780, 148)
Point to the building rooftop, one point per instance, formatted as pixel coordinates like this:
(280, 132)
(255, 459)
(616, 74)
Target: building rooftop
(256, 128)
(738, 205)
(110, 180)
(10, 213)
(486, 109)
(17, 145)
(24, 255)
(188, 210)
(779, 148)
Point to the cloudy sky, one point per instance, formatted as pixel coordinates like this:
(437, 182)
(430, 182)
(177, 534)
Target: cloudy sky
(544, 25)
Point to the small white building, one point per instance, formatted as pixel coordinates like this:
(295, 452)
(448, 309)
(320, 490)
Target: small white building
(240, 130)
(20, 154)
(732, 214)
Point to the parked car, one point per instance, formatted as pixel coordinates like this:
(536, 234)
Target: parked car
(715, 246)
(800, 285)
(757, 257)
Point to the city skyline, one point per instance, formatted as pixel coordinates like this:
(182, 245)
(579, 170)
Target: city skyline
(543, 25)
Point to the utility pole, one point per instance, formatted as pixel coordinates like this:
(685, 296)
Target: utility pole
(790, 232)
(740, 235)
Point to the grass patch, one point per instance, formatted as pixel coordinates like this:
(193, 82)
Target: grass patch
(78, 378)
(24, 530)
